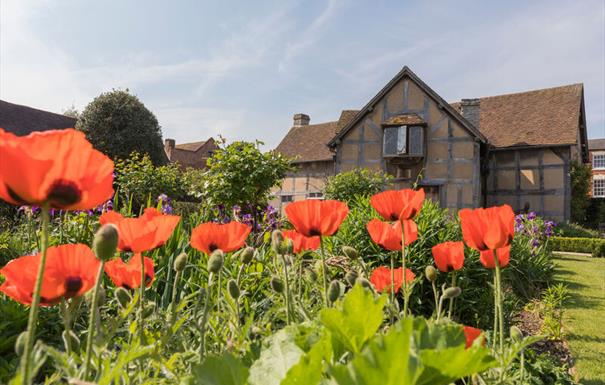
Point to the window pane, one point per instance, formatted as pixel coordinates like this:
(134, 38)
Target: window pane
(402, 138)
(598, 161)
(598, 188)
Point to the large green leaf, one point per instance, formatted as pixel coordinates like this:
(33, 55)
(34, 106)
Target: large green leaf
(386, 360)
(357, 320)
(220, 370)
(309, 370)
(444, 366)
(279, 355)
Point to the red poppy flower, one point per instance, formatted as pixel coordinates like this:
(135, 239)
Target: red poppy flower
(150, 230)
(301, 243)
(57, 167)
(487, 229)
(487, 257)
(388, 235)
(471, 335)
(394, 205)
(210, 236)
(449, 256)
(381, 278)
(128, 275)
(313, 217)
(70, 272)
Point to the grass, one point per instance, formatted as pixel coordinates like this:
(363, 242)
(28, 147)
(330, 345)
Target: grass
(585, 314)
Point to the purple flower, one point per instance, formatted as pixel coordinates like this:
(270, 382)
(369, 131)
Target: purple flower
(531, 216)
(535, 242)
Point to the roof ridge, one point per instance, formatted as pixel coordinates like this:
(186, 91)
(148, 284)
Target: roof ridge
(523, 92)
(36, 109)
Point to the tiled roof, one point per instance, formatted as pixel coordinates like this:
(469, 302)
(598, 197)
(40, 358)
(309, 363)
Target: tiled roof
(308, 143)
(596, 144)
(22, 120)
(345, 117)
(190, 146)
(542, 117)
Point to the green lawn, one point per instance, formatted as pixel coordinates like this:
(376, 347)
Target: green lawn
(585, 314)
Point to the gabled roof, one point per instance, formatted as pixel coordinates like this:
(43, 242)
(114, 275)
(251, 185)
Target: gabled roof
(596, 144)
(407, 72)
(194, 146)
(541, 117)
(308, 143)
(22, 120)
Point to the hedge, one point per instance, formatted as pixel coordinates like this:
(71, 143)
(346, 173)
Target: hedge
(595, 246)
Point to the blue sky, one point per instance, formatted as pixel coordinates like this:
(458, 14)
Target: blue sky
(242, 69)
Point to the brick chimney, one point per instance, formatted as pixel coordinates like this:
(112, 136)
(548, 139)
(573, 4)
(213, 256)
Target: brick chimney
(301, 120)
(471, 109)
(169, 147)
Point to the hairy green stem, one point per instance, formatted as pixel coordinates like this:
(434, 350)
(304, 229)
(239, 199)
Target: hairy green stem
(495, 331)
(324, 271)
(205, 317)
(33, 310)
(92, 321)
(500, 309)
(451, 309)
(142, 302)
(287, 291)
(406, 295)
(67, 323)
(173, 303)
(435, 294)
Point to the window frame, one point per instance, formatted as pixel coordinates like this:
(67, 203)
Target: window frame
(286, 198)
(600, 189)
(601, 155)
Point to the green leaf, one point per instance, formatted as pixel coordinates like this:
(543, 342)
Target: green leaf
(220, 370)
(309, 370)
(444, 366)
(357, 320)
(386, 360)
(278, 356)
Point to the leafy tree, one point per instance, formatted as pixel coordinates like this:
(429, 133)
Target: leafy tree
(580, 185)
(363, 182)
(240, 174)
(117, 123)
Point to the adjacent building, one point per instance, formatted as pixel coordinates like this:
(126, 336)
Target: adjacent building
(596, 148)
(22, 120)
(514, 149)
(187, 155)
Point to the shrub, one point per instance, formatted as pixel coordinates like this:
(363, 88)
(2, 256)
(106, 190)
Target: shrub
(117, 123)
(595, 217)
(574, 230)
(580, 185)
(576, 245)
(359, 182)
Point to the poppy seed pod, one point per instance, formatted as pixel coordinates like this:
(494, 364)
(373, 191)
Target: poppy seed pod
(312, 275)
(123, 297)
(430, 273)
(70, 340)
(105, 242)
(215, 262)
(180, 262)
(20, 344)
(451, 292)
(233, 289)
(350, 252)
(277, 285)
(247, 254)
(288, 246)
(277, 238)
(351, 277)
(516, 334)
(364, 283)
(148, 309)
(334, 291)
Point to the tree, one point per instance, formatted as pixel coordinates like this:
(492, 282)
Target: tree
(240, 174)
(359, 182)
(580, 185)
(117, 123)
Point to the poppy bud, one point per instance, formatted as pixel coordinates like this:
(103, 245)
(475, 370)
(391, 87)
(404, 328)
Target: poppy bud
(350, 252)
(364, 283)
(148, 309)
(247, 254)
(277, 285)
(276, 240)
(123, 297)
(333, 291)
(233, 289)
(351, 277)
(20, 344)
(71, 341)
(430, 273)
(180, 262)
(451, 292)
(287, 246)
(105, 242)
(311, 275)
(215, 262)
(516, 334)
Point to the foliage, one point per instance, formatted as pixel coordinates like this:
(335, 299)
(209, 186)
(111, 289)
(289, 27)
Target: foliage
(554, 299)
(575, 230)
(580, 186)
(138, 180)
(117, 123)
(240, 174)
(576, 245)
(363, 182)
(595, 217)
